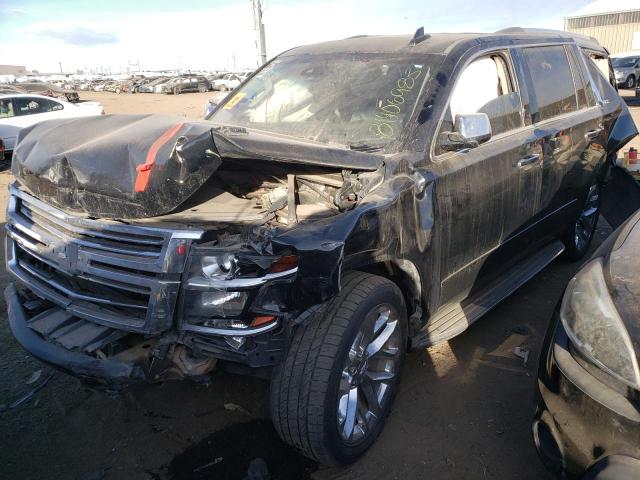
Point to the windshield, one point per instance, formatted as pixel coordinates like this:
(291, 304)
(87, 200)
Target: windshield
(351, 99)
(624, 62)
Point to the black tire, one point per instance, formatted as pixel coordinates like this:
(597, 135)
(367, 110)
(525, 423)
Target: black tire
(305, 388)
(176, 91)
(631, 82)
(577, 242)
(203, 89)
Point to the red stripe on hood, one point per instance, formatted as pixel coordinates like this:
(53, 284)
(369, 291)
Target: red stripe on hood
(144, 170)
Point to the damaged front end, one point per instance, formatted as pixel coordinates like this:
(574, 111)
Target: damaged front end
(209, 257)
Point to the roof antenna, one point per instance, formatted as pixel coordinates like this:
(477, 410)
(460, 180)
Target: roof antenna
(419, 36)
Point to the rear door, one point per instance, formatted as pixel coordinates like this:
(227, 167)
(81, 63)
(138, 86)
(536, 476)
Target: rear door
(488, 194)
(565, 122)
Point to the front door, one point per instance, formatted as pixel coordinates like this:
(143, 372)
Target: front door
(487, 194)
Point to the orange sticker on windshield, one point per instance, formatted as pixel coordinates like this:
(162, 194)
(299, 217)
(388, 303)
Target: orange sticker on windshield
(234, 100)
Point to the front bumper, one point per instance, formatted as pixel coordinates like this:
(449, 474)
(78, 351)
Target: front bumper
(56, 337)
(109, 373)
(582, 426)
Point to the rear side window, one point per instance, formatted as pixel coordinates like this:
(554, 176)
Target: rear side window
(550, 81)
(30, 106)
(486, 86)
(598, 67)
(584, 89)
(6, 108)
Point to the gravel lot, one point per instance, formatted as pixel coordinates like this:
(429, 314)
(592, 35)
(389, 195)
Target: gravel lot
(463, 410)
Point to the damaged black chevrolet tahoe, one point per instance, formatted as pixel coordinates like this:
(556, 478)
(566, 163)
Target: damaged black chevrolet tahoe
(351, 200)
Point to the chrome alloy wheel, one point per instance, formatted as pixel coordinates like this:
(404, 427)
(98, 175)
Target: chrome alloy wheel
(369, 371)
(586, 224)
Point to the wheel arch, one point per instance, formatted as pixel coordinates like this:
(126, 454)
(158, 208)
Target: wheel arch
(405, 275)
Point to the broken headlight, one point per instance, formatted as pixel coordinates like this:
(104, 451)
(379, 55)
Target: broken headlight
(221, 285)
(207, 296)
(594, 326)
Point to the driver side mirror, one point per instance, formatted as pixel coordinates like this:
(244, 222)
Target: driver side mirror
(470, 130)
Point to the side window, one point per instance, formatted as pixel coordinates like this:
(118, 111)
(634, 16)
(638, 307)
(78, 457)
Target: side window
(6, 108)
(55, 105)
(550, 81)
(486, 86)
(599, 70)
(31, 105)
(583, 86)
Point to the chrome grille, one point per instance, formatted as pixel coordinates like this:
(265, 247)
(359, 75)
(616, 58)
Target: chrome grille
(113, 274)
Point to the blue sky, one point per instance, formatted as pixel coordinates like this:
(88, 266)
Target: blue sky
(212, 33)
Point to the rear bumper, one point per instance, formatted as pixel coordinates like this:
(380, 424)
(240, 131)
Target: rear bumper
(582, 428)
(109, 373)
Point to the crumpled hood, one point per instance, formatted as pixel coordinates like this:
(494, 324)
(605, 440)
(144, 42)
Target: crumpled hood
(117, 166)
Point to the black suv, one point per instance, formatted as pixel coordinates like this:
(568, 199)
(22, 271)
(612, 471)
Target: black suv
(351, 200)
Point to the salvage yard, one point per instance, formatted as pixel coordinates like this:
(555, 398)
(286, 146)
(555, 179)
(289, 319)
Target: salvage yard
(463, 411)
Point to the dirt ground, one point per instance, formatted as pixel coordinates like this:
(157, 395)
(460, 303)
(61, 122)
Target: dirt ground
(463, 411)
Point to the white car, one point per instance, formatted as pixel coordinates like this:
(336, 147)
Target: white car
(18, 111)
(228, 82)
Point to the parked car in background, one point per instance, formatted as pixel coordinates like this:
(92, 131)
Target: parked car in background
(100, 85)
(180, 85)
(150, 86)
(18, 111)
(134, 85)
(113, 86)
(351, 200)
(9, 88)
(227, 82)
(49, 90)
(627, 70)
(587, 423)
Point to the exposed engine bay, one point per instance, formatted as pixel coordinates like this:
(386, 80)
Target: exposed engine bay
(270, 194)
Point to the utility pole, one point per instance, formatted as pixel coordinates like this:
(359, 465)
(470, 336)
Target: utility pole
(60, 63)
(259, 27)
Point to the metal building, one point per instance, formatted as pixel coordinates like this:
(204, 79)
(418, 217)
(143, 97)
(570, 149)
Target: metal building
(13, 70)
(615, 24)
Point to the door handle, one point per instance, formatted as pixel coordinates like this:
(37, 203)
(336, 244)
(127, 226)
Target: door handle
(528, 160)
(591, 134)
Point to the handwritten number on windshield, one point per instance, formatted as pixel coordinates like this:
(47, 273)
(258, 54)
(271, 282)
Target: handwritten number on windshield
(388, 114)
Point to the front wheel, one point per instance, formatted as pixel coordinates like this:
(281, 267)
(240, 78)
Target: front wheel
(332, 393)
(578, 238)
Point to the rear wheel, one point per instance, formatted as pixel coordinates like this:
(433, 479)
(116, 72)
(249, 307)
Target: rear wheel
(176, 91)
(578, 238)
(332, 393)
(203, 88)
(631, 82)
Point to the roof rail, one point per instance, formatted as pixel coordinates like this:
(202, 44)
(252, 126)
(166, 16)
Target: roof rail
(546, 31)
(419, 36)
